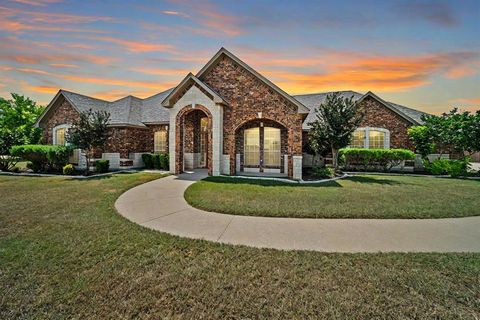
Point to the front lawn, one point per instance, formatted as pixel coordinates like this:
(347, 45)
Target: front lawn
(66, 253)
(366, 196)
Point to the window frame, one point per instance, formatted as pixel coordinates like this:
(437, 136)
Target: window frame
(247, 153)
(367, 136)
(164, 142)
(277, 152)
(54, 133)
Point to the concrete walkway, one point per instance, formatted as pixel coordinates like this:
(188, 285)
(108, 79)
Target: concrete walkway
(160, 205)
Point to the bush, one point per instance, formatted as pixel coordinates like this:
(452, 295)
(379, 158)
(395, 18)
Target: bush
(7, 162)
(323, 172)
(156, 161)
(454, 168)
(159, 161)
(148, 160)
(68, 170)
(164, 161)
(101, 166)
(43, 157)
(384, 159)
(16, 169)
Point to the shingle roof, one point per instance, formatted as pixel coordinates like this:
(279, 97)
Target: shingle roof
(313, 101)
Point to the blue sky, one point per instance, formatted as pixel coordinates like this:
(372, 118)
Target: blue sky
(424, 54)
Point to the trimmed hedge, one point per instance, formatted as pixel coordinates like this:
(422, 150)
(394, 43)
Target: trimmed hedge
(374, 159)
(158, 161)
(43, 157)
(101, 166)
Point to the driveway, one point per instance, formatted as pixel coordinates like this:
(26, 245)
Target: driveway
(160, 205)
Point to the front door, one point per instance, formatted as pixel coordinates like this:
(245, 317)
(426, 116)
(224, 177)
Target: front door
(203, 142)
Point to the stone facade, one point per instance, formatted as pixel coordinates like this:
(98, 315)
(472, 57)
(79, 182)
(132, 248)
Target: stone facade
(379, 116)
(248, 96)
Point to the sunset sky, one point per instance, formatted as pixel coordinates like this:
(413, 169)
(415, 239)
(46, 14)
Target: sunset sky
(423, 54)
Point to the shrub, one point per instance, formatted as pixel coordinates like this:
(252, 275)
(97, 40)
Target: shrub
(148, 160)
(384, 159)
(43, 157)
(101, 166)
(16, 169)
(323, 172)
(164, 161)
(34, 166)
(156, 161)
(454, 168)
(7, 162)
(68, 170)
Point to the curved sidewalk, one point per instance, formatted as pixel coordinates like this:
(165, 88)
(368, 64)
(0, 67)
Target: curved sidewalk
(160, 205)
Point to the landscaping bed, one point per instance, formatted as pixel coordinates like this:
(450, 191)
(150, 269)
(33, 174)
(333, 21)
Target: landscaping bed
(73, 256)
(361, 196)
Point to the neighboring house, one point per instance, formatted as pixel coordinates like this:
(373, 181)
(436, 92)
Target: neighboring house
(227, 118)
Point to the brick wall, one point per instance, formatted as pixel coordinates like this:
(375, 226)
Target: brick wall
(377, 115)
(63, 113)
(248, 95)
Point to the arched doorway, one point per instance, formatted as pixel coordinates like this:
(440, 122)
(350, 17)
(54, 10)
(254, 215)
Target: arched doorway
(193, 139)
(261, 148)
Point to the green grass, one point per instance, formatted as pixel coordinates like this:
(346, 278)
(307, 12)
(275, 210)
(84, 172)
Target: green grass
(66, 253)
(366, 196)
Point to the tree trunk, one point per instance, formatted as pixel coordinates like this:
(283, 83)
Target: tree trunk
(335, 158)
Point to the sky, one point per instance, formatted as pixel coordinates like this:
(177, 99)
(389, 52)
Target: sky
(422, 54)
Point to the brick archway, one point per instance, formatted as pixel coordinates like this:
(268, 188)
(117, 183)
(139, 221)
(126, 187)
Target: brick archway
(187, 134)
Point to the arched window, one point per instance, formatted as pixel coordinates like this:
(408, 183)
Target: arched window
(371, 138)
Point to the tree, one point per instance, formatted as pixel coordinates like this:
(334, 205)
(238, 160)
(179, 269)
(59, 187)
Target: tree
(422, 139)
(17, 120)
(336, 120)
(89, 132)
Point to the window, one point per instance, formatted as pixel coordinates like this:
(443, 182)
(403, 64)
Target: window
(160, 141)
(376, 139)
(60, 136)
(271, 146)
(358, 139)
(252, 147)
(372, 138)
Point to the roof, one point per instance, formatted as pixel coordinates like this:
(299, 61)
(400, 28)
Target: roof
(188, 80)
(133, 111)
(223, 51)
(314, 100)
(127, 111)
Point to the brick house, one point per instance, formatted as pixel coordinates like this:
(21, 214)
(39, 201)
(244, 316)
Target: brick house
(227, 118)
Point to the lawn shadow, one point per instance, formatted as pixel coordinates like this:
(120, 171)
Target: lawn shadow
(269, 183)
(371, 180)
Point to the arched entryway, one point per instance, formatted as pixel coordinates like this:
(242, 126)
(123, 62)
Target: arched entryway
(193, 139)
(261, 148)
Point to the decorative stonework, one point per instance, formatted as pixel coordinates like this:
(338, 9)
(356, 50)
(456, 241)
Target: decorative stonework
(247, 96)
(185, 135)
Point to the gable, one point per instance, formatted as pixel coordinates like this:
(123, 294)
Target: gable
(59, 111)
(224, 55)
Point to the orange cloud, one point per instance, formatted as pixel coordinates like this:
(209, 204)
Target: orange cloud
(43, 89)
(381, 73)
(469, 101)
(161, 72)
(137, 46)
(36, 71)
(63, 65)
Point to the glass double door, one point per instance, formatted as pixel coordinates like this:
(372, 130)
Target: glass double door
(203, 142)
(262, 147)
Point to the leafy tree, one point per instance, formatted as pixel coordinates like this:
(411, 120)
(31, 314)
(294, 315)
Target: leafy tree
(422, 139)
(17, 119)
(89, 132)
(473, 132)
(336, 120)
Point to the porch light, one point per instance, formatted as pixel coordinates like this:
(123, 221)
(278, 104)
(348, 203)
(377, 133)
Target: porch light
(259, 115)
